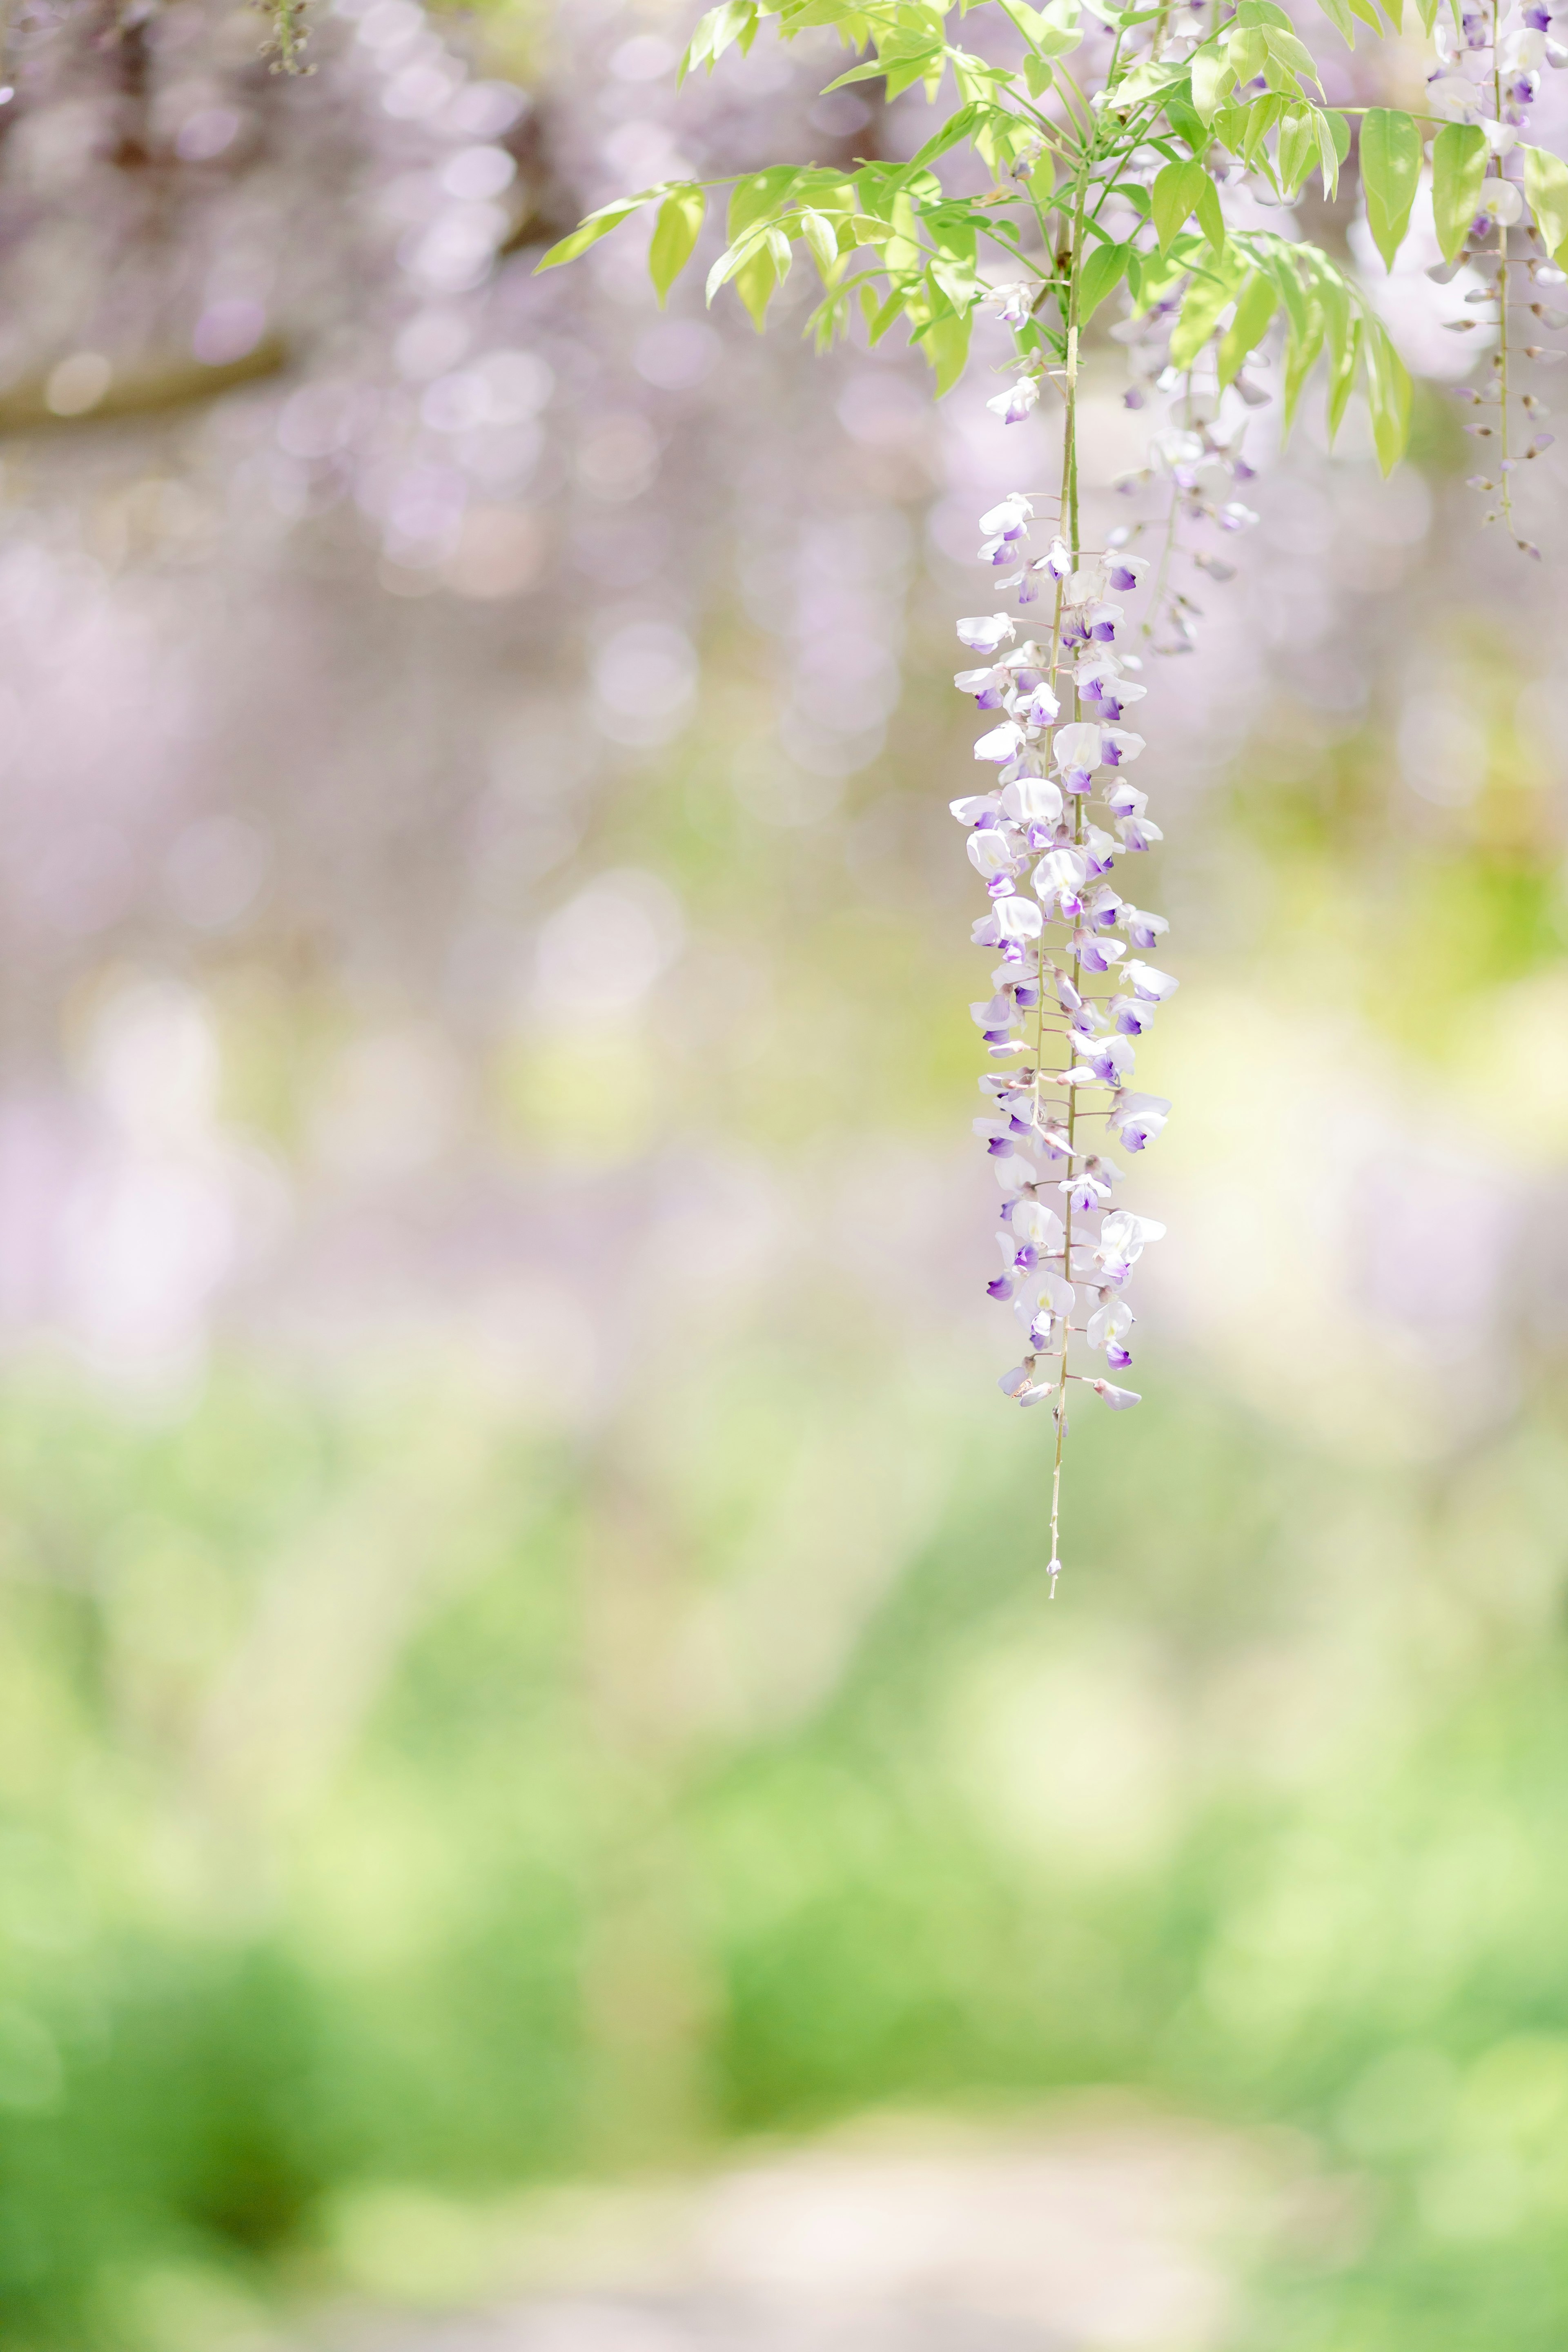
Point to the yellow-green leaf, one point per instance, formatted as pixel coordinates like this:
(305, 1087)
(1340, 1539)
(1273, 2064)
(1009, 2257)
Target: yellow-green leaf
(1206, 296)
(1255, 306)
(1546, 186)
(1387, 393)
(1297, 149)
(946, 345)
(1213, 74)
(1390, 174)
(758, 195)
(822, 238)
(754, 283)
(675, 236)
(1248, 50)
(1176, 191)
(1103, 271)
(1459, 167)
(588, 232)
(1334, 145)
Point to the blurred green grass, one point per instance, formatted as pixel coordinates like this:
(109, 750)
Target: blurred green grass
(1264, 1814)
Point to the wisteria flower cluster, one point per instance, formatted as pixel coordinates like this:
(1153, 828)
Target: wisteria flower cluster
(1069, 1000)
(1110, 137)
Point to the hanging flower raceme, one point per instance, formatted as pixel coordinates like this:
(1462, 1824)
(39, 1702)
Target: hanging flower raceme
(1072, 993)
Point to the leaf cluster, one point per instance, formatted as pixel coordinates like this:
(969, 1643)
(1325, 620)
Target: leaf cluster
(1087, 192)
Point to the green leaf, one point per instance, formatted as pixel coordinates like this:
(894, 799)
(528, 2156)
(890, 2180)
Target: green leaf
(1176, 191)
(1300, 353)
(1255, 306)
(1390, 174)
(1368, 15)
(1293, 54)
(1184, 122)
(1038, 75)
(903, 57)
(822, 238)
(1342, 334)
(1205, 298)
(588, 232)
(735, 21)
(1102, 272)
(957, 126)
(1213, 74)
(1247, 49)
(675, 234)
(1387, 393)
(757, 196)
(946, 345)
(1339, 16)
(1546, 186)
(1298, 149)
(1334, 145)
(879, 320)
(1459, 167)
(1211, 220)
(755, 281)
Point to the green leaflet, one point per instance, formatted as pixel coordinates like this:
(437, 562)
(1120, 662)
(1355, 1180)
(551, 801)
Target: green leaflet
(903, 57)
(1390, 174)
(735, 21)
(1333, 146)
(1207, 293)
(1387, 393)
(589, 230)
(822, 237)
(1297, 149)
(757, 197)
(1248, 50)
(1459, 167)
(755, 280)
(675, 234)
(945, 343)
(1177, 192)
(1341, 333)
(1339, 16)
(1300, 353)
(1255, 306)
(1273, 255)
(957, 126)
(1213, 74)
(1103, 271)
(1293, 56)
(1546, 187)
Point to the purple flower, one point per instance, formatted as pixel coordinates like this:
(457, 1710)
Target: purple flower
(1095, 953)
(985, 632)
(1144, 931)
(1152, 986)
(1137, 1118)
(1013, 405)
(1003, 743)
(1131, 1016)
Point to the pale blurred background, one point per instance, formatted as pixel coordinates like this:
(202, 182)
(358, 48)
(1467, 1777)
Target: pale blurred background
(544, 1805)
